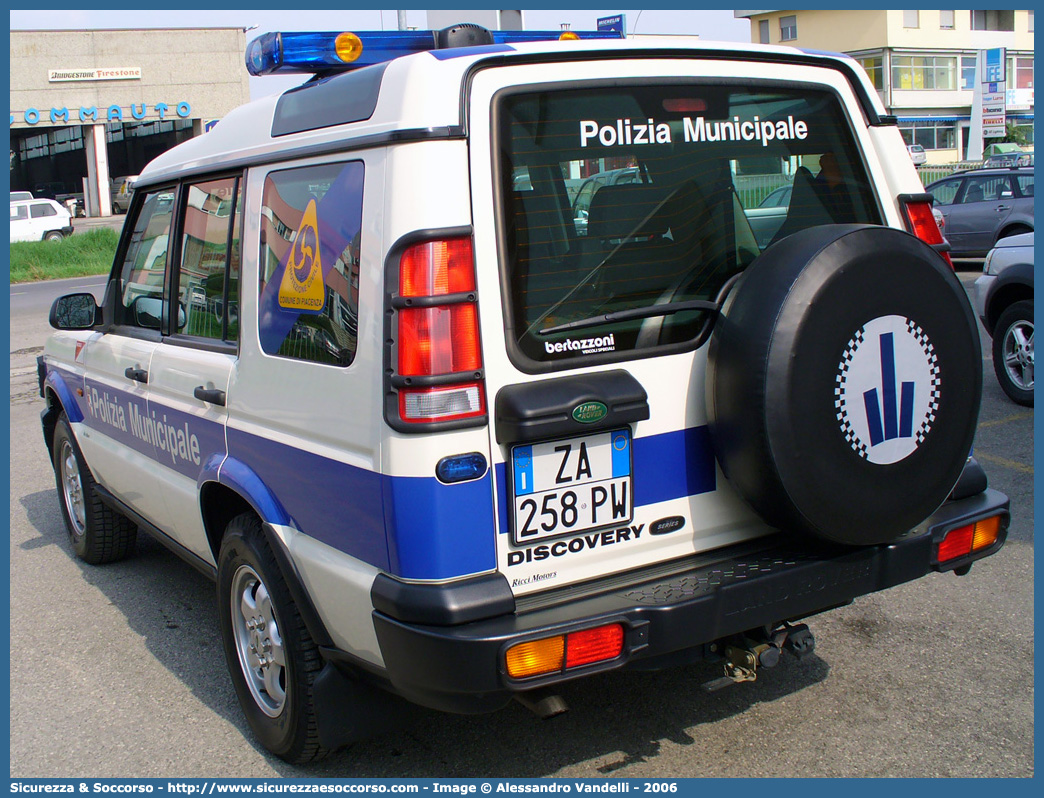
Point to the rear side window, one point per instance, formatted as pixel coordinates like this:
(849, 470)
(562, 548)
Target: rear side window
(986, 189)
(699, 161)
(41, 210)
(309, 288)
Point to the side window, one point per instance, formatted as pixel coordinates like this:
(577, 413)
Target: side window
(41, 210)
(19, 212)
(945, 192)
(986, 189)
(208, 283)
(142, 276)
(311, 219)
(1025, 185)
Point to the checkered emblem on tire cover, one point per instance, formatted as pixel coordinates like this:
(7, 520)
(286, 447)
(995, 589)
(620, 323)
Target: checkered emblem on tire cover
(887, 389)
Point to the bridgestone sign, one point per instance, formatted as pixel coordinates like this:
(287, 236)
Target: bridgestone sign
(104, 73)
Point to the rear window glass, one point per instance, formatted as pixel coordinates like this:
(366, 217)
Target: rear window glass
(641, 199)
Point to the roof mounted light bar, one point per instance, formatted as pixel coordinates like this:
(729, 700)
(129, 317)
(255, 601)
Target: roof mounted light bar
(319, 53)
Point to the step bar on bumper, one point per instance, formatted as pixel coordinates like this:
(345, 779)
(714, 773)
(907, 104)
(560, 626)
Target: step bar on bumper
(460, 667)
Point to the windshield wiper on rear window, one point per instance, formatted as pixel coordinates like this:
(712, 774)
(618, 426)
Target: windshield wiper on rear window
(647, 312)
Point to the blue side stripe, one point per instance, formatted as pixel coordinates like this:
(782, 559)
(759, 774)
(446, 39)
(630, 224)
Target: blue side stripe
(439, 531)
(334, 502)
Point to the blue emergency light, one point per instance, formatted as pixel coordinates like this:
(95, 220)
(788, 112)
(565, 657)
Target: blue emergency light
(315, 53)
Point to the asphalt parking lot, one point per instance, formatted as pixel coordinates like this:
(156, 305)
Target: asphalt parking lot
(117, 671)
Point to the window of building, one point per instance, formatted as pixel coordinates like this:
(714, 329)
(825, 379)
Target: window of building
(946, 20)
(208, 284)
(931, 135)
(968, 71)
(875, 69)
(309, 288)
(911, 19)
(1020, 72)
(142, 277)
(788, 28)
(763, 32)
(924, 72)
(993, 19)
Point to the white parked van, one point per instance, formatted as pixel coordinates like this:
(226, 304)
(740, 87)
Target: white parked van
(435, 439)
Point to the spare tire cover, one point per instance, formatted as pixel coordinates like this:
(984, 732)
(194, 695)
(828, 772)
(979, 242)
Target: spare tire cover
(844, 382)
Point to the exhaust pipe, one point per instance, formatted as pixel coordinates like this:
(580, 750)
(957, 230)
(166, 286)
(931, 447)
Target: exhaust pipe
(542, 703)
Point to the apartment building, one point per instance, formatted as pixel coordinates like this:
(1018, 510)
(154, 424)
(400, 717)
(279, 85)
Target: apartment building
(921, 62)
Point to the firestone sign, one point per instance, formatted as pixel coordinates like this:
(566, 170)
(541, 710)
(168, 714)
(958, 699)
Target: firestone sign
(92, 115)
(103, 73)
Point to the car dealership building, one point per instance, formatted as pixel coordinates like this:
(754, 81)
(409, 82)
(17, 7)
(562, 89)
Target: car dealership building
(89, 106)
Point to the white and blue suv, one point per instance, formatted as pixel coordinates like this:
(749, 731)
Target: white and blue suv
(437, 440)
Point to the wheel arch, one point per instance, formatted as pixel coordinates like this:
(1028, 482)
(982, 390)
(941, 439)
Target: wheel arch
(1014, 228)
(1016, 284)
(59, 399)
(218, 505)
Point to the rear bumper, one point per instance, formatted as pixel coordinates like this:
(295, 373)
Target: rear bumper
(460, 667)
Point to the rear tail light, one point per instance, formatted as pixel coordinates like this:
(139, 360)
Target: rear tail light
(920, 220)
(562, 652)
(436, 359)
(969, 539)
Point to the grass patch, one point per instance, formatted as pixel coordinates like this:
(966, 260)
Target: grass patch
(80, 255)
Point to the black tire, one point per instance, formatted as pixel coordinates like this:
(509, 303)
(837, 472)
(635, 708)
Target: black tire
(1013, 352)
(53, 235)
(98, 533)
(277, 698)
(791, 385)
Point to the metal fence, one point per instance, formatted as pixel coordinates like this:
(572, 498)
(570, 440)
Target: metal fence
(929, 173)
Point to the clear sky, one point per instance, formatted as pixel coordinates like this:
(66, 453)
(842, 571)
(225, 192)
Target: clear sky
(707, 24)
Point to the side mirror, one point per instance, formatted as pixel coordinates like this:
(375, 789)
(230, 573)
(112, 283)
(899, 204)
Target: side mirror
(148, 312)
(75, 312)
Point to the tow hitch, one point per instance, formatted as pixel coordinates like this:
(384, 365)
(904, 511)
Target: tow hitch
(743, 656)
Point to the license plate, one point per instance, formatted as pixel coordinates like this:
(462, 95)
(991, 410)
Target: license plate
(571, 486)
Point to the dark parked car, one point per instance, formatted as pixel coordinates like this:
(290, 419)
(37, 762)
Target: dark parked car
(982, 206)
(1004, 301)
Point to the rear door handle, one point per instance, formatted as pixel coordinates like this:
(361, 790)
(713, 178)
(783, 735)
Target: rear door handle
(136, 374)
(210, 395)
(1003, 208)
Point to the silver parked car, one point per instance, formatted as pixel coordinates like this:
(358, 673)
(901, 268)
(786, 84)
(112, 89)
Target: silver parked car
(1004, 301)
